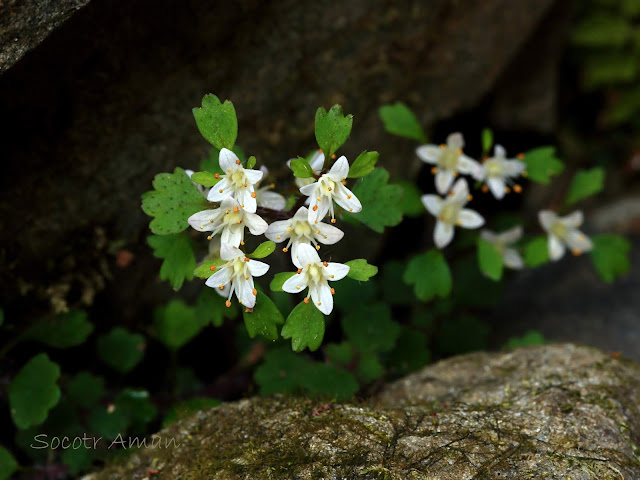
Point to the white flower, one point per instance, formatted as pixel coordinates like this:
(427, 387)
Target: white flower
(449, 161)
(498, 171)
(450, 212)
(315, 274)
(502, 242)
(229, 220)
(214, 254)
(564, 231)
(238, 272)
(328, 188)
(265, 197)
(299, 230)
(237, 182)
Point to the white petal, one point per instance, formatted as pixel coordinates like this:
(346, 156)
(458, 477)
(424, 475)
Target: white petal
(433, 204)
(497, 187)
(255, 223)
(306, 255)
(189, 172)
(257, 268)
(556, 248)
(227, 252)
(253, 176)
(264, 170)
(244, 291)
(328, 233)
(215, 195)
(277, 231)
(232, 235)
(346, 199)
(295, 284)
(227, 160)
(309, 190)
(246, 201)
(547, 218)
(455, 140)
(460, 191)
(470, 167)
(295, 244)
(336, 271)
(429, 153)
(271, 200)
(302, 214)
(222, 276)
(578, 241)
(339, 170)
(512, 259)
(444, 179)
(514, 168)
(499, 152)
(225, 290)
(470, 219)
(319, 213)
(322, 297)
(512, 235)
(573, 220)
(443, 234)
(317, 162)
(203, 219)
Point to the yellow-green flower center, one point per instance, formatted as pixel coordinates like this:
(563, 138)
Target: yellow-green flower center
(494, 169)
(449, 158)
(450, 212)
(302, 229)
(559, 229)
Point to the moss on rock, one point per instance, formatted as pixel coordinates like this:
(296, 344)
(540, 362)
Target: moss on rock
(559, 411)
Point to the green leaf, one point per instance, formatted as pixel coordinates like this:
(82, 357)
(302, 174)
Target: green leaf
(137, 406)
(369, 367)
(601, 30)
(429, 274)
(340, 353)
(217, 122)
(351, 293)
(108, 422)
(176, 324)
(263, 250)
(332, 129)
(305, 327)
(610, 255)
(264, 319)
(78, 460)
(8, 464)
(63, 331)
(489, 260)
(206, 179)
(328, 381)
(542, 164)
(394, 290)
(536, 251)
(251, 162)
(188, 408)
(279, 279)
(472, 288)
(487, 140)
(301, 168)
(85, 389)
(584, 184)
(410, 205)
(360, 270)
(381, 202)
(363, 165)
(204, 269)
(179, 260)
(411, 351)
(120, 349)
(34, 391)
(172, 202)
(210, 308)
(532, 337)
(462, 335)
(369, 328)
(281, 372)
(399, 120)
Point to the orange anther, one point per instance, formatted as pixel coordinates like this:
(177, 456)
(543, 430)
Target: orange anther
(212, 268)
(326, 264)
(299, 271)
(315, 207)
(220, 190)
(235, 209)
(469, 197)
(221, 287)
(520, 156)
(217, 175)
(333, 291)
(576, 252)
(306, 300)
(253, 195)
(238, 162)
(333, 220)
(255, 292)
(517, 188)
(227, 303)
(507, 190)
(434, 170)
(485, 189)
(348, 197)
(246, 259)
(285, 249)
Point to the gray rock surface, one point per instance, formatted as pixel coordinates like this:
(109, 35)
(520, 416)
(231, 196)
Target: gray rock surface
(24, 24)
(105, 103)
(550, 412)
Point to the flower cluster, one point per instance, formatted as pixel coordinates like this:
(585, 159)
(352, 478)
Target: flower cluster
(238, 195)
(497, 174)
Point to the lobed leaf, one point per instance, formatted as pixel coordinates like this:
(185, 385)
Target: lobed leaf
(63, 331)
(85, 389)
(121, 349)
(536, 251)
(381, 201)
(610, 255)
(176, 324)
(305, 327)
(489, 260)
(542, 164)
(264, 319)
(178, 258)
(210, 308)
(369, 328)
(217, 121)
(398, 119)
(429, 274)
(332, 129)
(584, 184)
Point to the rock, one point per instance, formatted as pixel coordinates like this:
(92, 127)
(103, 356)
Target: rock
(115, 110)
(557, 411)
(23, 25)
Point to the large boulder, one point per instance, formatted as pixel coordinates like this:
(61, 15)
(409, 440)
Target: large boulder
(559, 411)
